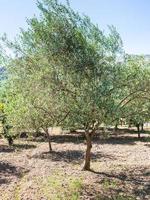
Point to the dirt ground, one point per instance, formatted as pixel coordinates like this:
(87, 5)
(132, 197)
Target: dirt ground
(121, 169)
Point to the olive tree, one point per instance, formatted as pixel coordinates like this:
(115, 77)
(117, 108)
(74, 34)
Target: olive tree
(132, 100)
(86, 63)
(32, 101)
(65, 71)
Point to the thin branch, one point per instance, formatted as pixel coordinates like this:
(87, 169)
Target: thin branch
(65, 116)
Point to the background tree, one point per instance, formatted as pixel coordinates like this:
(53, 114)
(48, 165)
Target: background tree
(132, 101)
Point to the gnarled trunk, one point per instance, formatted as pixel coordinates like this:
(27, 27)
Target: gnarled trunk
(49, 139)
(88, 151)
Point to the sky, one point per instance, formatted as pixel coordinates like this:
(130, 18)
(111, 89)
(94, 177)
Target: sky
(130, 17)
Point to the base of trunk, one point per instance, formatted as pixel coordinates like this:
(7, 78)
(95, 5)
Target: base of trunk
(10, 141)
(139, 135)
(86, 166)
(86, 169)
(50, 150)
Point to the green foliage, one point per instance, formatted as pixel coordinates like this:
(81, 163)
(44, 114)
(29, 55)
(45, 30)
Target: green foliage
(132, 102)
(64, 70)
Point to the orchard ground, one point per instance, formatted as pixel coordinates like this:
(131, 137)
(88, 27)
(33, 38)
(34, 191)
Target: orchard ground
(120, 163)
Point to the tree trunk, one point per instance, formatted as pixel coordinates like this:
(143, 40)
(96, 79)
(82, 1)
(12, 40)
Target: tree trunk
(10, 141)
(121, 122)
(139, 135)
(49, 140)
(138, 129)
(130, 123)
(88, 151)
(142, 127)
(116, 127)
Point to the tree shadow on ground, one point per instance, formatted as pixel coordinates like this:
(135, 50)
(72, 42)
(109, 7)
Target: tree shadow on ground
(9, 171)
(14, 147)
(37, 139)
(128, 130)
(6, 149)
(122, 130)
(135, 182)
(122, 140)
(62, 138)
(24, 146)
(68, 138)
(79, 138)
(71, 156)
(147, 145)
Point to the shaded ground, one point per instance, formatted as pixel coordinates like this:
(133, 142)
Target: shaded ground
(121, 169)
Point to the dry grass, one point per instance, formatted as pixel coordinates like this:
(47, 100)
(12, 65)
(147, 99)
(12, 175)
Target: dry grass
(121, 169)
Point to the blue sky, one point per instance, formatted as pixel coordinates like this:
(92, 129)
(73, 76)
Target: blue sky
(130, 17)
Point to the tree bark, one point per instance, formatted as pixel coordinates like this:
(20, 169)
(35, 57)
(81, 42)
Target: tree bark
(142, 127)
(49, 140)
(116, 127)
(130, 123)
(10, 141)
(88, 151)
(138, 129)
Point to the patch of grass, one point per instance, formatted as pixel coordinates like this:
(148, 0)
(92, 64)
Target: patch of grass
(59, 186)
(17, 193)
(75, 187)
(109, 184)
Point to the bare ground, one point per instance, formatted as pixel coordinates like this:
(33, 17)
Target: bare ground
(121, 169)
